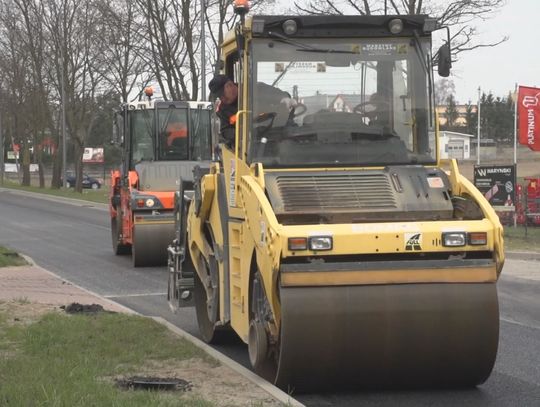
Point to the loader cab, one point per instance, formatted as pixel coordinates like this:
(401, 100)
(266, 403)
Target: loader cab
(153, 131)
(360, 91)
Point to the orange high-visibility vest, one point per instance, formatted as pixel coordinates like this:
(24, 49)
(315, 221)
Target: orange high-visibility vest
(176, 130)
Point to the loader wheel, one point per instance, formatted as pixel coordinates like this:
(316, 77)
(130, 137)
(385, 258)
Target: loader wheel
(207, 311)
(118, 248)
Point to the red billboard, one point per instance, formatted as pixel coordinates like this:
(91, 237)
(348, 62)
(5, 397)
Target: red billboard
(529, 117)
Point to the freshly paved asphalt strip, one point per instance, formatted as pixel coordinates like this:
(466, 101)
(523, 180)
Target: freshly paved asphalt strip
(73, 241)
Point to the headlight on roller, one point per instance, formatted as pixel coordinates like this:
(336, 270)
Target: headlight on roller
(454, 239)
(150, 203)
(320, 243)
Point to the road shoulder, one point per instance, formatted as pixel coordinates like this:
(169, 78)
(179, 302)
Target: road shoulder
(37, 286)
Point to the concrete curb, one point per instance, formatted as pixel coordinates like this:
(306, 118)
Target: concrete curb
(101, 298)
(61, 199)
(275, 392)
(269, 388)
(523, 255)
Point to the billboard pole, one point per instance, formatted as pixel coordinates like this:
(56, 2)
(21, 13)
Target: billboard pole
(1, 153)
(515, 123)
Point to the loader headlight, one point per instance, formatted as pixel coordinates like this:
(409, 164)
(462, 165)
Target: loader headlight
(454, 239)
(318, 243)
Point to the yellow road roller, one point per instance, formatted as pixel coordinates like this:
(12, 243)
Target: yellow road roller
(329, 236)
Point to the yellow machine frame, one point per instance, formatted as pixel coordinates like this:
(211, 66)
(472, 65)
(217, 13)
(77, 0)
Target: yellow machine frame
(254, 241)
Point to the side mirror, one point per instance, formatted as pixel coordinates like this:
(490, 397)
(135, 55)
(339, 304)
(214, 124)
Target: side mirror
(445, 60)
(240, 41)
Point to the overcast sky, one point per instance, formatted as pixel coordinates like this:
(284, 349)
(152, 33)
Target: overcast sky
(515, 61)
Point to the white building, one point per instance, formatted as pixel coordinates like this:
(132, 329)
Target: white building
(455, 145)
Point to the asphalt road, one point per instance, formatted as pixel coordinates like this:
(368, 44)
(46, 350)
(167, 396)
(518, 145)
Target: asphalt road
(73, 241)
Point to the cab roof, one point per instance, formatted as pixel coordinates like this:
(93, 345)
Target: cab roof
(146, 104)
(334, 26)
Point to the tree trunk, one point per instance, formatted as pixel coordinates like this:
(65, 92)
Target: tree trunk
(41, 169)
(57, 169)
(26, 165)
(79, 151)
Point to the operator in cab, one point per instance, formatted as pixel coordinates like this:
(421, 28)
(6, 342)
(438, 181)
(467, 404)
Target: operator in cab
(226, 91)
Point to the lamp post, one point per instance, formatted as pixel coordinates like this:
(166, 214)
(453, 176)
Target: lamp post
(478, 140)
(203, 53)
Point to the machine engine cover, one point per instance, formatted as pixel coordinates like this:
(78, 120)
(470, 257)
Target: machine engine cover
(163, 176)
(395, 193)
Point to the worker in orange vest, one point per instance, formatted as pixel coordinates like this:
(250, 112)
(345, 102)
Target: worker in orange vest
(226, 91)
(176, 134)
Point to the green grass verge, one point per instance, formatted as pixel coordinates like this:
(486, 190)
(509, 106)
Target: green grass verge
(71, 360)
(10, 258)
(519, 239)
(101, 195)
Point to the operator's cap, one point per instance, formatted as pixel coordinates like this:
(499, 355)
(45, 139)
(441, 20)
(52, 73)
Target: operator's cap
(217, 84)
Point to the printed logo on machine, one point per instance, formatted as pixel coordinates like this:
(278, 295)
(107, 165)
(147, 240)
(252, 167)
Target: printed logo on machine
(413, 241)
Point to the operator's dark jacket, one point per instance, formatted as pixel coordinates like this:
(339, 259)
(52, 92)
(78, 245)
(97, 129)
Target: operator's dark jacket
(226, 113)
(270, 97)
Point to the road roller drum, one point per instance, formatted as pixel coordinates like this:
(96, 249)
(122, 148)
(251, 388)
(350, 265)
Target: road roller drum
(150, 241)
(387, 336)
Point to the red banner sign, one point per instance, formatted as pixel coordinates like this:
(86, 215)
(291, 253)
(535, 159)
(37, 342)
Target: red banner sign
(529, 117)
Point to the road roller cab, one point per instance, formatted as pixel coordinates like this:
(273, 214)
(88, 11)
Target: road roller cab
(330, 237)
(161, 141)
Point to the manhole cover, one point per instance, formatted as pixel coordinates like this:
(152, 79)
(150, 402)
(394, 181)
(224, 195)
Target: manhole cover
(154, 383)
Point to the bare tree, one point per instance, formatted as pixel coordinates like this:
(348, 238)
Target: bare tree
(459, 15)
(444, 88)
(171, 44)
(33, 35)
(122, 61)
(15, 63)
(76, 44)
(220, 19)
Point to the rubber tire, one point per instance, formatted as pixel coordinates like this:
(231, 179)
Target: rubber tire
(210, 333)
(257, 344)
(207, 327)
(266, 367)
(118, 248)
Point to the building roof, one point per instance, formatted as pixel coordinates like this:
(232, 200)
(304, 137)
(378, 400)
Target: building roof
(350, 100)
(317, 102)
(456, 134)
